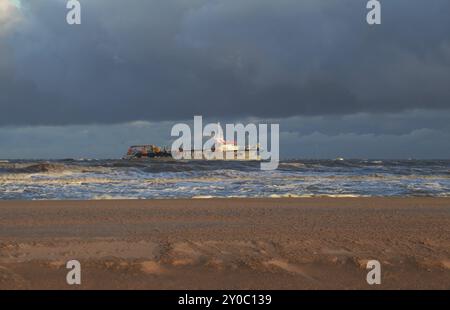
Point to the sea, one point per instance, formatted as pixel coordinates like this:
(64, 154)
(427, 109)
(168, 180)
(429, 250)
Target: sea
(87, 179)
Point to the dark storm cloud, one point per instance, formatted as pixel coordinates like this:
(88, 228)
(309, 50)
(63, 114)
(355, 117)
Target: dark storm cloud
(414, 134)
(168, 60)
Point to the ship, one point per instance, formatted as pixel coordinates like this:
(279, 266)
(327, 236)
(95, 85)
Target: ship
(226, 150)
(147, 151)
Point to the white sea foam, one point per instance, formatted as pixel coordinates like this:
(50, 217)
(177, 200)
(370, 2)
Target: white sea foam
(110, 197)
(144, 180)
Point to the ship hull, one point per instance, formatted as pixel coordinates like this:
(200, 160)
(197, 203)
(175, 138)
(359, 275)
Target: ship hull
(200, 155)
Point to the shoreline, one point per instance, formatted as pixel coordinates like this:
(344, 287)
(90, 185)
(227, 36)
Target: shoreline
(226, 243)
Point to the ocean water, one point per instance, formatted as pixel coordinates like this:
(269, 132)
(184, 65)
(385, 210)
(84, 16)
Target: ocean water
(121, 179)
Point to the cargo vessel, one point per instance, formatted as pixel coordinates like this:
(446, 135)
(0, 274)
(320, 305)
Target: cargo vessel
(223, 150)
(147, 151)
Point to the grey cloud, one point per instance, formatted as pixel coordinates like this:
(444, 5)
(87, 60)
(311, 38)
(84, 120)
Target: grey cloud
(168, 60)
(418, 144)
(79, 141)
(396, 124)
(415, 134)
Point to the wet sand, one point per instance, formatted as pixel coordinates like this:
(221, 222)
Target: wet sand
(299, 243)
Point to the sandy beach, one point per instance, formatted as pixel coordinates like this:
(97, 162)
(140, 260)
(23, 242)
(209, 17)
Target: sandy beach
(301, 243)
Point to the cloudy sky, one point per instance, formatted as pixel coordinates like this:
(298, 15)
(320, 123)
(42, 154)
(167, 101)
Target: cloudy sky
(132, 69)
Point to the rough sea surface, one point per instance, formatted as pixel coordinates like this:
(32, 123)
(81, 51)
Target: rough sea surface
(141, 179)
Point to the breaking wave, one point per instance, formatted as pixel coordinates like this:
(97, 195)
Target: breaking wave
(144, 179)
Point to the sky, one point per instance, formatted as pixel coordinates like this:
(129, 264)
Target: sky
(337, 86)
